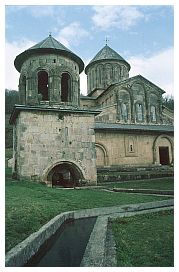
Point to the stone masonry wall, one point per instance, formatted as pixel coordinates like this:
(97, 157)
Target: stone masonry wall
(118, 148)
(55, 65)
(45, 138)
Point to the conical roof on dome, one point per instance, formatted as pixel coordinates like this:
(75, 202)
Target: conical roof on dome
(106, 53)
(48, 45)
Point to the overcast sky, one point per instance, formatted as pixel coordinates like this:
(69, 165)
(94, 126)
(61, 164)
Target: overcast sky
(143, 35)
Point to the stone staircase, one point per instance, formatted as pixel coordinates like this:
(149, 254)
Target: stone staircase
(124, 173)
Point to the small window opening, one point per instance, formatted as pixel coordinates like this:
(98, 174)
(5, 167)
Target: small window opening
(131, 148)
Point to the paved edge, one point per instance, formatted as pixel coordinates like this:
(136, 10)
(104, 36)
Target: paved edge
(21, 253)
(122, 208)
(95, 249)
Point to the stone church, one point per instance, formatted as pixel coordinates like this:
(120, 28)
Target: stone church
(61, 137)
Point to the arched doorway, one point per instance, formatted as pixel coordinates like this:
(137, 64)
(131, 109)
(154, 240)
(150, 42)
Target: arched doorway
(65, 174)
(43, 85)
(163, 150)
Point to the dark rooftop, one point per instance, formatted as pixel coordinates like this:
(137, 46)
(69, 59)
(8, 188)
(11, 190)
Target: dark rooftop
(107, 53)
(48, 45)
(133, 127)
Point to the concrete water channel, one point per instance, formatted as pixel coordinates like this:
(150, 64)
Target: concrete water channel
(66, 247)
(78, 238)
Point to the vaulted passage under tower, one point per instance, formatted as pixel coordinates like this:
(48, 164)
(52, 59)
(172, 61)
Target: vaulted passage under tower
(65, 174)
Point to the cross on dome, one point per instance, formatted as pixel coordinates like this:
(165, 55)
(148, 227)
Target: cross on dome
(106, 40)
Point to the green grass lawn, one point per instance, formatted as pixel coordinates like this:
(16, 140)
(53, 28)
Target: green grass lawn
(30, 205)
(157, 184)
(145, 240)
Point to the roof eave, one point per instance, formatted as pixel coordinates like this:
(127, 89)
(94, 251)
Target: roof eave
(18, 108)
(101, 60)
(26, 54)
(137, 128)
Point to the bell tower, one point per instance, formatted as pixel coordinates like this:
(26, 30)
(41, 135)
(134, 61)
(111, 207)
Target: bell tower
(53, 138)
(49, 74)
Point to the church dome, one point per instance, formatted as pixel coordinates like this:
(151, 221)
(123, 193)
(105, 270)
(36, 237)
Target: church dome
(106, 68)
(106, 53)
(48, 45)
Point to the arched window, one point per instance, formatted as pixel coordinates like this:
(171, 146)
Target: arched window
(65, 87)
(153, 113)
(124, 115)
(43, 85)
(139, 112)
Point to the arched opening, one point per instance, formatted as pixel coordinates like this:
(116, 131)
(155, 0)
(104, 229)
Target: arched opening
(65, 174)
(65, 87)
(163, 150)
(43, 85)
(124, 105)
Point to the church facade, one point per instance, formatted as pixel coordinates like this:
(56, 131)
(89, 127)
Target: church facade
(61, 137)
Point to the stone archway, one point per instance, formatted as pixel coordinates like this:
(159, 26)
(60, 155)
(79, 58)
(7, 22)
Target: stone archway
(101, 155)
(64, 174)
(163, 150)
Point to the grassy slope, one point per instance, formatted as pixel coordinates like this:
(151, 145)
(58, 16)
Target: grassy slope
(30, 205)
(145, 240)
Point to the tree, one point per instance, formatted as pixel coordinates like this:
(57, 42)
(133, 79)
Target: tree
(168, 101)
(11, 98)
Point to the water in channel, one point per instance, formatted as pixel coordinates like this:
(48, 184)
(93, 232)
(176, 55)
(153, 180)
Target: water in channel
(66, 247)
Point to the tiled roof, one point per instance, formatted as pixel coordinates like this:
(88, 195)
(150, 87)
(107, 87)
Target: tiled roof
(48, 45)
(107, 53)
(50, 42)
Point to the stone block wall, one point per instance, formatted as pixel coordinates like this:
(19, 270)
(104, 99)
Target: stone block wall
(55, 65)
(42, 139)
(119, 148)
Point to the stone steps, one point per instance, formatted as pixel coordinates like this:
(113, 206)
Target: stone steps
(120, 173)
